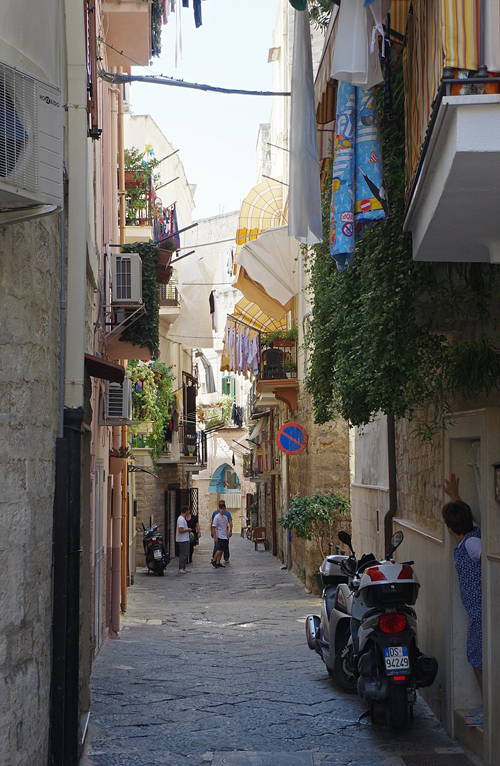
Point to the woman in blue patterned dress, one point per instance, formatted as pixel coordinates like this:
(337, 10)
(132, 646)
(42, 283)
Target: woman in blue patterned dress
(458, 518)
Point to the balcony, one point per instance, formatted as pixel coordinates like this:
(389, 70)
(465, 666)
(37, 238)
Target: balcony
(129, 29)
(277, 374)
(169, 303)
(453, 208)
(193, 451)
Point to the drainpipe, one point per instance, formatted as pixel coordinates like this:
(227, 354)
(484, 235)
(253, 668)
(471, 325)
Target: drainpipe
(124, 530)
(73, 419)
(273, 487)
(116, 542)
(62, 319)
(121, 162)
(393, 497)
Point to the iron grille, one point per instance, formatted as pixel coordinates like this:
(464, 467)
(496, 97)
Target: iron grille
(437, 759)
(123, 279)
(18, 129)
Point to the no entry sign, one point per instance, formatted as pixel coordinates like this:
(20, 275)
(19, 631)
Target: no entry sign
(291, 439)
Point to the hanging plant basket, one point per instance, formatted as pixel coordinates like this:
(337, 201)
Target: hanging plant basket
(164, 257)
(116, 465)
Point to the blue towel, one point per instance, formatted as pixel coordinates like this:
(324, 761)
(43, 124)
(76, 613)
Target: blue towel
(358, 192)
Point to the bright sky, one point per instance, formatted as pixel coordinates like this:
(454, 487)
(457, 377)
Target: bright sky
(216, 133)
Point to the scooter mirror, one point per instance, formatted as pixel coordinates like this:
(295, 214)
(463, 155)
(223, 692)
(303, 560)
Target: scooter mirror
(396, 540)
(345, 538)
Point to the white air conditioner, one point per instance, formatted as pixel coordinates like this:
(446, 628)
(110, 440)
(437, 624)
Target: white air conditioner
(126, 274)
(31, 129)
(118, 403)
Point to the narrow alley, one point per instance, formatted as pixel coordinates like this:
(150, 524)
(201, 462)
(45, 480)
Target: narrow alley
(213, 668)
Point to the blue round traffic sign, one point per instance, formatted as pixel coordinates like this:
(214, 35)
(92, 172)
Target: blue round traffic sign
(291, 438)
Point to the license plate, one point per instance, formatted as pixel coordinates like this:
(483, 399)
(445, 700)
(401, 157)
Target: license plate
(157, 554)
(396, 659)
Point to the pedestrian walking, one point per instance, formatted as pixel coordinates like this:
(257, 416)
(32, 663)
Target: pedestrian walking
(221, 534)
(458, 518)
(182, 537)
(194, 533)
(230, 518)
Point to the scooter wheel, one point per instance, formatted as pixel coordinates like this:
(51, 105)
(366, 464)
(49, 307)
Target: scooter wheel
(397, 707)
(343, 671)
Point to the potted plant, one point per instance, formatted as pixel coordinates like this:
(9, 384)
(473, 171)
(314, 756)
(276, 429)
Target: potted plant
(118, 457)
(291, 369)
(139, 179)
(280, 338)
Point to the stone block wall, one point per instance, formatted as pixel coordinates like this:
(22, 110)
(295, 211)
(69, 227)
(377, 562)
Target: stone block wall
(322, 467)
(419, 477)
(29, 421)
(150, 495)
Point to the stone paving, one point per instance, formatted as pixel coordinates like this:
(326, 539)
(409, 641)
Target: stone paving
(212, 669)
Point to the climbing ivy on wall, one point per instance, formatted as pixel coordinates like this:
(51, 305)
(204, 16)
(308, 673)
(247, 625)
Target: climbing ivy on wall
(393, 335)
(145, 332)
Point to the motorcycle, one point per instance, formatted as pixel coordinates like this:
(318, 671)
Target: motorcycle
(367, 632)
(157, 559)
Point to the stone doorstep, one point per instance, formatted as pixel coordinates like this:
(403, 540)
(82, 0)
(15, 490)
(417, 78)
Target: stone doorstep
(470, 736)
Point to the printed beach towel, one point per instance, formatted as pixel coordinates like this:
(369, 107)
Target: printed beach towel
(358, 193)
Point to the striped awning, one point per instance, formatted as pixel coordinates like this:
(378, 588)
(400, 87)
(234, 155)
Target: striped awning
(250, 313)
(261, 209)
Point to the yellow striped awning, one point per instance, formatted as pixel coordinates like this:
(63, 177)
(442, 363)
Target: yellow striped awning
(261, 209)
(248, 312)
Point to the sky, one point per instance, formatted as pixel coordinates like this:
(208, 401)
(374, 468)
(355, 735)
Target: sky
(215, 133)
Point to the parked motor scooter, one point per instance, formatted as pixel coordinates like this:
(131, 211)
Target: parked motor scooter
(367, 633)
(157, 559)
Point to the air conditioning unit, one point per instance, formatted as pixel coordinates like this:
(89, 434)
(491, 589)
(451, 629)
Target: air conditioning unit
(126, 274)
(31, 130)
(118, 402)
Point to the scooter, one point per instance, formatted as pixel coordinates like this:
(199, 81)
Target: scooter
(157, 559)
(367, 633)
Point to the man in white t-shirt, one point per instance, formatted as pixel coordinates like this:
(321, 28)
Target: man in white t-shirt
(182, 537)
(221, 533)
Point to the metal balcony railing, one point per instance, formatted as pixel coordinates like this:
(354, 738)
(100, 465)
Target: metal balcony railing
(169, 295)
(278, 361)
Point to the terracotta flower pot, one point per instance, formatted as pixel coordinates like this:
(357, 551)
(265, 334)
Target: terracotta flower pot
(116, 465)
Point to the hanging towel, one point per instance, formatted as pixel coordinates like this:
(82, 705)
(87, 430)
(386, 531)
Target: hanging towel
(358, 192)
(356, 57)
(197, 12)
(304, 217)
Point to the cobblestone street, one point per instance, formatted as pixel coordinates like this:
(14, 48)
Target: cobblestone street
(213, 668)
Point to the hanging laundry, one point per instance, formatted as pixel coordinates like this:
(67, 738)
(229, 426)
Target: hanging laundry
(358, 192)
(213, 310)
(185, 3)
(197, 13)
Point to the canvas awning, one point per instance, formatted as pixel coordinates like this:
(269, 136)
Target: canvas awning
(256, 432)
(261, 209)
(250, 313)
(272, 262)
(104, 369)
(255, 294)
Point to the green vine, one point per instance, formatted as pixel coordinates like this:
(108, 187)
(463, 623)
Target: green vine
(145, 332)
(314, 518)
(320, 12)
(394, 335)
(152, 395)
